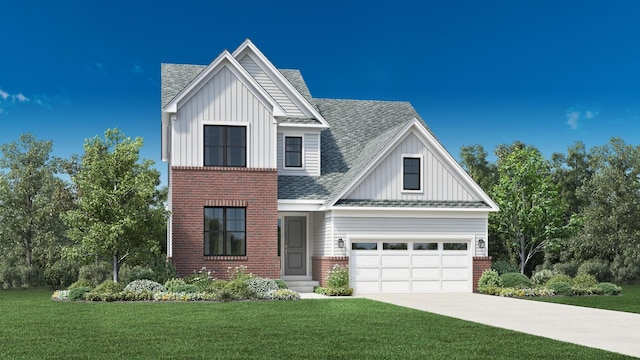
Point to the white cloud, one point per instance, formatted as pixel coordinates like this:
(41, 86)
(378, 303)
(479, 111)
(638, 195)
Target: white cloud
(136, 69)
(20, 97)
(4, 95)
(577, 114)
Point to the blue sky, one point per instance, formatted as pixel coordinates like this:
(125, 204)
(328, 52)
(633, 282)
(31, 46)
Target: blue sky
(479, 72)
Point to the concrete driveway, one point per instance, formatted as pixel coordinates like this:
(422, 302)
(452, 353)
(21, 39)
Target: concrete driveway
(603, 329)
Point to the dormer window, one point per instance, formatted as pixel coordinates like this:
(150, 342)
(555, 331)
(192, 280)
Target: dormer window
(412, 173)
(225, 145)
(293, 151)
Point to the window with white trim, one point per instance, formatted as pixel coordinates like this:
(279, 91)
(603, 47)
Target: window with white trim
(412, 173)
(225, 145)
(293, 151)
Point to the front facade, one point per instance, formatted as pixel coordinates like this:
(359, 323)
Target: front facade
(262, 174)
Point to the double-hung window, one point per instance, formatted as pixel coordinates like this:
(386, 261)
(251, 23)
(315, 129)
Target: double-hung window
(225, 231)
(225, 145)
(411, 173)
(293, 151)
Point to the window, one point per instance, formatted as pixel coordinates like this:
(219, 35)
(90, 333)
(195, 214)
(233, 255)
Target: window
(394, 246)
(225, 231)
(454, 246)
(225, 145)
(364, 246)
(293, 151)
(411, 173)
(425, 246)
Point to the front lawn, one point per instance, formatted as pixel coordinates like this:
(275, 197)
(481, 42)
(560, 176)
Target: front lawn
(33, 326)
(628, 301)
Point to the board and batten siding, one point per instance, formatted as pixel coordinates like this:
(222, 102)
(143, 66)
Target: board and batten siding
(310, 155)
(385, 181)
(224, 99)
(265, 81)
(397, 226)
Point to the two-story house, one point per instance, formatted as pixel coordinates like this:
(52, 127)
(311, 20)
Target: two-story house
(264, 175)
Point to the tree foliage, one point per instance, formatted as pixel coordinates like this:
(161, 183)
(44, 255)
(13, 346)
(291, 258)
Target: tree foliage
(474, 161)
(32, 199)
(531, 212)
(120, 212)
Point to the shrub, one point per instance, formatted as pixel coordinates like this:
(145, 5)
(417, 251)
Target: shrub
(526, 292)
(489, 278)
(60, 275)
(172, 284)
(625, 268)
(503, 267)
(338, 277)
(239, 289)
(138, 286)
(129, 274)
(559, 278)
(60, 295)
(584, 281)
(163, 270)
(201, 278)
(96, 273)
(187, 288)
(17, 275)
(217, 285)
(320, 290)
(108, 287)
(81, 283)
(282, 294)
(542, 277)
(78, 293)
(239, 273)
(515, 280)
(281, 284)
(568, 268)
(609, 288)
(561, 288)
(341, 291)
(600, 269)
(261, 286)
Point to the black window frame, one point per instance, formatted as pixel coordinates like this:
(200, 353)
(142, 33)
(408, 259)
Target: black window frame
(408, 171)
(297, 151)
(227, 146)
(225, 231)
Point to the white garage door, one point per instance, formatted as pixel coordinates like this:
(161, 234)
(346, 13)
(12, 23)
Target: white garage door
(410, 266)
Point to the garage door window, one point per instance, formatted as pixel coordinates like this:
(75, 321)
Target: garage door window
(425, 246)
(394, 246)
(455, 246)
(364, 246)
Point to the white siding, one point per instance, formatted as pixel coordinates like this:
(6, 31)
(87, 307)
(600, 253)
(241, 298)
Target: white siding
(397, 226)
(438, 183)
(318, 233)
(310, 156)
(265, 81)
(223, 100)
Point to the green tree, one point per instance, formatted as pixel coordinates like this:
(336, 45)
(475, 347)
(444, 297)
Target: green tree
(570, 172)
(120, 212)
(611, 198)
(32, 198)
(473, 159)
(531, 212)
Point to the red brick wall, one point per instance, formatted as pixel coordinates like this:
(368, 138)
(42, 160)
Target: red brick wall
(193, 188)
(480, 264)
(321, 265)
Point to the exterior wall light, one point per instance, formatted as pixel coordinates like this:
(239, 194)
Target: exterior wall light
(340, 243)
(481, 244)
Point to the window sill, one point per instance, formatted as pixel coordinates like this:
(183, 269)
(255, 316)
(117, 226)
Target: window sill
(226, 257)
(412, 191)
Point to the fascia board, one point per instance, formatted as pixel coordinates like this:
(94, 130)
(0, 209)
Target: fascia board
(225, 58)
(247, 47)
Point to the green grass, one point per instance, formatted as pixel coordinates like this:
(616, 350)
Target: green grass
(629, 301)
(32, 326)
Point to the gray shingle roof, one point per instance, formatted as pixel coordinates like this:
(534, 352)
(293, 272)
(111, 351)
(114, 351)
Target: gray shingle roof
(413, 203)
(295, 78)
(175, 77)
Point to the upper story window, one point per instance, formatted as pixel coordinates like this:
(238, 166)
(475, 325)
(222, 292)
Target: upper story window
(225, 145)
(293, 151)
(225, 231)
(412, 173)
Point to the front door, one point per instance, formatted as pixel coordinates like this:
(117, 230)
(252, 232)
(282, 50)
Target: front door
(295, 245)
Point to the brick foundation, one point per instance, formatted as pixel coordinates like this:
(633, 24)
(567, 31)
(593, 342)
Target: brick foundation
(193, 188)
(480, 264)
(321, 265)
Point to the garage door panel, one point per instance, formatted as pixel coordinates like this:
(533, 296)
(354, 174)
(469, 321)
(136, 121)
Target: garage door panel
(366, 260)
(395, 273)
(425, 260)
(366, 274)
(457, 274)
(364, 287)
(454, 286)
(428, 273)
(426, 286)
(395, 286)
(455, 260)
(394, 260)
